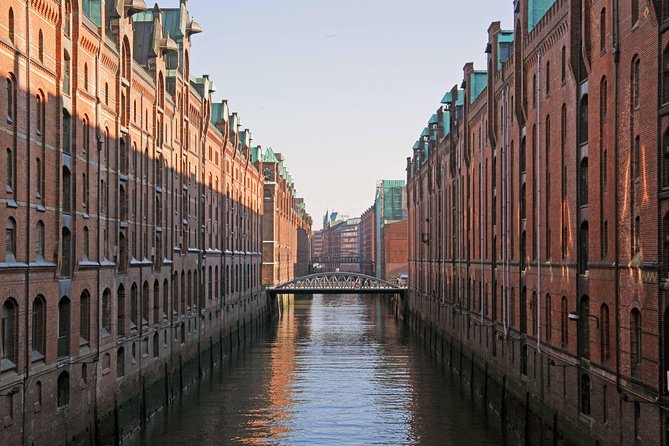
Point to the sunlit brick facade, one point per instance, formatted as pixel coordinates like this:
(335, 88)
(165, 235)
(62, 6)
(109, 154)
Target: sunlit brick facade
(539, 190)
(133, 216)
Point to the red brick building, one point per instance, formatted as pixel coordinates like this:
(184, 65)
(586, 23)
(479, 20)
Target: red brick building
(132, 216)
(526, 192)
(286, 225)
(367, 243)
(395, 250)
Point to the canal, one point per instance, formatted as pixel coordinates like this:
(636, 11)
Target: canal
(333, 370)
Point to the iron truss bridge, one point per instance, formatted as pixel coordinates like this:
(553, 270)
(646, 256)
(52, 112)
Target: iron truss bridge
(337, 283)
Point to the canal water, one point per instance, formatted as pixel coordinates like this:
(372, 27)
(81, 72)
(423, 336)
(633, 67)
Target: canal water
(334, 370)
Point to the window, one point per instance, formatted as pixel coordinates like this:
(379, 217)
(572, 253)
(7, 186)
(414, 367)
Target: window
(85, 243)
(605, 169)
(39, 241)
(10, 169)
(67, 191)
(11, 99)
(106, 312)
(63, 327)
(68, 18)
(602, 31)
(39, 114)
(40, 178)
(84, 318)
(40, 46)
(63, 389)
(604, 335)
(156, 345)
(10, 240)
(67, 129)
(120, 310)
(605, 239)
(66, 253)
(583, 124)
(549, 316)
(66, 73)
(635, 12)
(156, 302)
(166, 298)
(534, 91)
(563, 74)
(635, 343)
(10, 25)
(523, 204)
(133, 305)
(584, 327)
(145, 303)
(583, 261)
(548, 78)
(583, 187)
(636, 82)
(584, 405)
(106, 93)
(9, 356)
(523, 310)
(603, 100)
(564, 322)
(39, 328)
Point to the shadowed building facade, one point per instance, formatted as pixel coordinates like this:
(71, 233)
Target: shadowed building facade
(538, 212)
(133, 215)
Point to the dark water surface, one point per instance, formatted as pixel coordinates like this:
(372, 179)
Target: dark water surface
(335, 370)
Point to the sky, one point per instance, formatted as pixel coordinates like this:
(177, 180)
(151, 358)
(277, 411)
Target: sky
(342, 88)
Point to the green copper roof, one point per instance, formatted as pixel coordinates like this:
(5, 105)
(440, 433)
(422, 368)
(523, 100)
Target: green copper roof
(433, 119)
(268, 156)
(478, 81)
(416, 146)
(425, 132)
(536, 9)
(448, 98)
(461, 98)
(446, 122)
(219, 112)
(504, 47)
(255, 154)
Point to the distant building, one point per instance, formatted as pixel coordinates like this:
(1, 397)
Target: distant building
(390, 205)
(366, 241)
(395, 250)
(340, 243)
(317, 243)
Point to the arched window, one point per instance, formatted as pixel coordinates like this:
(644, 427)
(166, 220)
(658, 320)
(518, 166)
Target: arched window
(66, 72)
(11, 98)
(583, 187)
(145, 303)
(604, 335)
(166, 298)
(564, 322)
(548, 78)
(39, 328)
(521, 155)
(583, 124)
(106, 312)
(67, 132)
(10, 240)
(39, 241)
(40, 46)
(67, 191)
(64, 327)
(635, 343)
(636, 236)
(9, 171)
(10, 25)
(602, 31)
(563, 74)
(182, 296)
(549, 318)
(189, 302)
(533, 313)
(39, 123)
(67, 21)
(603, 100)
(156, 302)
(636, 81)
(584, 405)
(84, 317)
(66, 253)
(9, 356)
(120, 362)
(120, 310)
(156, 345)
(86, 241)
(584, 243)
(63, 389)
(133, 305)
(523, 201)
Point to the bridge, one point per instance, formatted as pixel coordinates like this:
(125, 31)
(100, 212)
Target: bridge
(337, 283)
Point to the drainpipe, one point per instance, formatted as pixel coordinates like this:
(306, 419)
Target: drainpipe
(28, 240)
(616, 60)
(538, 210)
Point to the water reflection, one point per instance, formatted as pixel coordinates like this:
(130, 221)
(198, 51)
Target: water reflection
(336, 370)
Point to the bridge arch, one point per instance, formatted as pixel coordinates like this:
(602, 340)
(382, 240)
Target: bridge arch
(337, 283)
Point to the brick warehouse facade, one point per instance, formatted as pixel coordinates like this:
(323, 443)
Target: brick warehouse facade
(286, 225)
(133, 216)
(527, 192)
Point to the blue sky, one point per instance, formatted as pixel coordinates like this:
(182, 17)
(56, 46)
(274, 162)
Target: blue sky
(341, 87)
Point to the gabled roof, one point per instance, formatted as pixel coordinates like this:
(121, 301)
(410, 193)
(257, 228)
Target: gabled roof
(269, 156)
(536, 9)
(478, 82)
